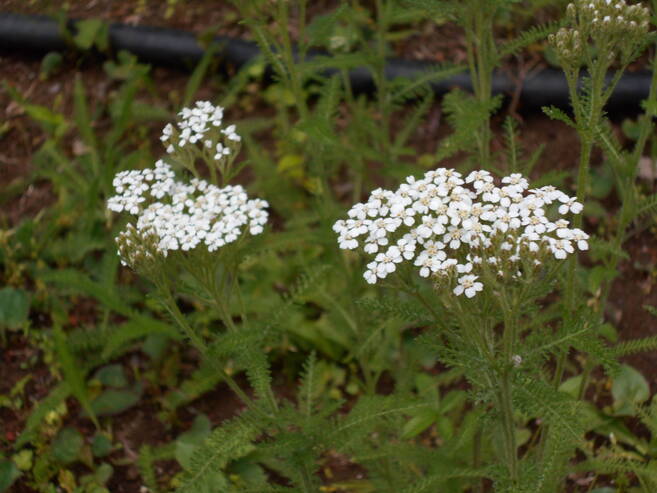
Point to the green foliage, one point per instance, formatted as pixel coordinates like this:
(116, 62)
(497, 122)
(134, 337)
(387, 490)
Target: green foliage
(390, 307)
(111, 376)
(629, 389)
(466, 115)
(145, 465)
(74, 374)
(204, 379)
(50, 64)
(14, 307)
(636, 346)
(528, 37)
(199, 74)
(230, 441)
(326, 368)
(91, 33)
(101, 445)
(187, 442)
(67, 445)
(418, 88)
(114, 401)
(8, 474)
(44, 407)
(557, 114)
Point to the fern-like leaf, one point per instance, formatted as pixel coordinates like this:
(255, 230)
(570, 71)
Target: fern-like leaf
(309, 382)
(556, 114)
(386, 308)
(146, 470)
(434, 8)
(138, 327)
(41, 410)
(231, 440)
(528, 37)
(636, 346)
(412, 122)
(429, 483)
(420, 83)
(74, 373)
(204, 379)
(466, 115)
(537, 398)
(647, 206)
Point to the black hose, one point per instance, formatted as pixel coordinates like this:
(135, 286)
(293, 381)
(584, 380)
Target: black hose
(176, 48)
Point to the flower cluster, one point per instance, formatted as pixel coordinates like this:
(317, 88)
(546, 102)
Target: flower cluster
(450, 225)
(184, 215)
(614, 27)
(201, 124)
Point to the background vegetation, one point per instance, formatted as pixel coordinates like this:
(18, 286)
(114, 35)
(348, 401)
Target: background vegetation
(99, 391)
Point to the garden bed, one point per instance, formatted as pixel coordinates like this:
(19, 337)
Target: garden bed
(26, 198)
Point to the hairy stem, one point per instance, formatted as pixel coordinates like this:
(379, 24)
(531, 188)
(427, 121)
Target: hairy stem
(307, 482)
(506, 407)
(172, 308)
(505, 393)
(381, 81)
(476, 459)
(485, 47)
(645, 130)
(294, 77)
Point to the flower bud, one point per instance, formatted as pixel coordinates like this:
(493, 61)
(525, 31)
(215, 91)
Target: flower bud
(571, 13)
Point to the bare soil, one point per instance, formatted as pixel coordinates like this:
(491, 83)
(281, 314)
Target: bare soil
(634, 287)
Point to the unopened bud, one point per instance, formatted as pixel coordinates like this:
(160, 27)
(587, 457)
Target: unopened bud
(571, 12)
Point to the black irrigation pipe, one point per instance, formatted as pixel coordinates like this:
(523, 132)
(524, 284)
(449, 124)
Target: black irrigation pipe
(180, 49)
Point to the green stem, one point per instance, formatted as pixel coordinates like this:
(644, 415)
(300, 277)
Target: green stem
(476, 458)
(219, 294)
(587, 124)
(307, 482)
(382, 86)
(213, 173)
(172, 307)
(294, 80)
(243, 311)
(586, 375)
(506, 407)
(623, 223)
(483, 90)
(645, 130)
(370, 380)
(415, 292)
(583, 176)
(505, 394)
(587, 129)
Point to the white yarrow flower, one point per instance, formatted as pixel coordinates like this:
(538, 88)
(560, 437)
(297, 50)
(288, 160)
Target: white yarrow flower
(184, 216)
(445, 224)
(468, 285)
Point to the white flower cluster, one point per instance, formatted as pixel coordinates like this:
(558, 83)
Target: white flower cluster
(615, 13)
(182, 215)
(613, 25)
(446, 224)
(196, 125)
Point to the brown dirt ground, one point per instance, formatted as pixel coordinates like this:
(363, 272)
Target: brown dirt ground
(633, 288)
(218, 16)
